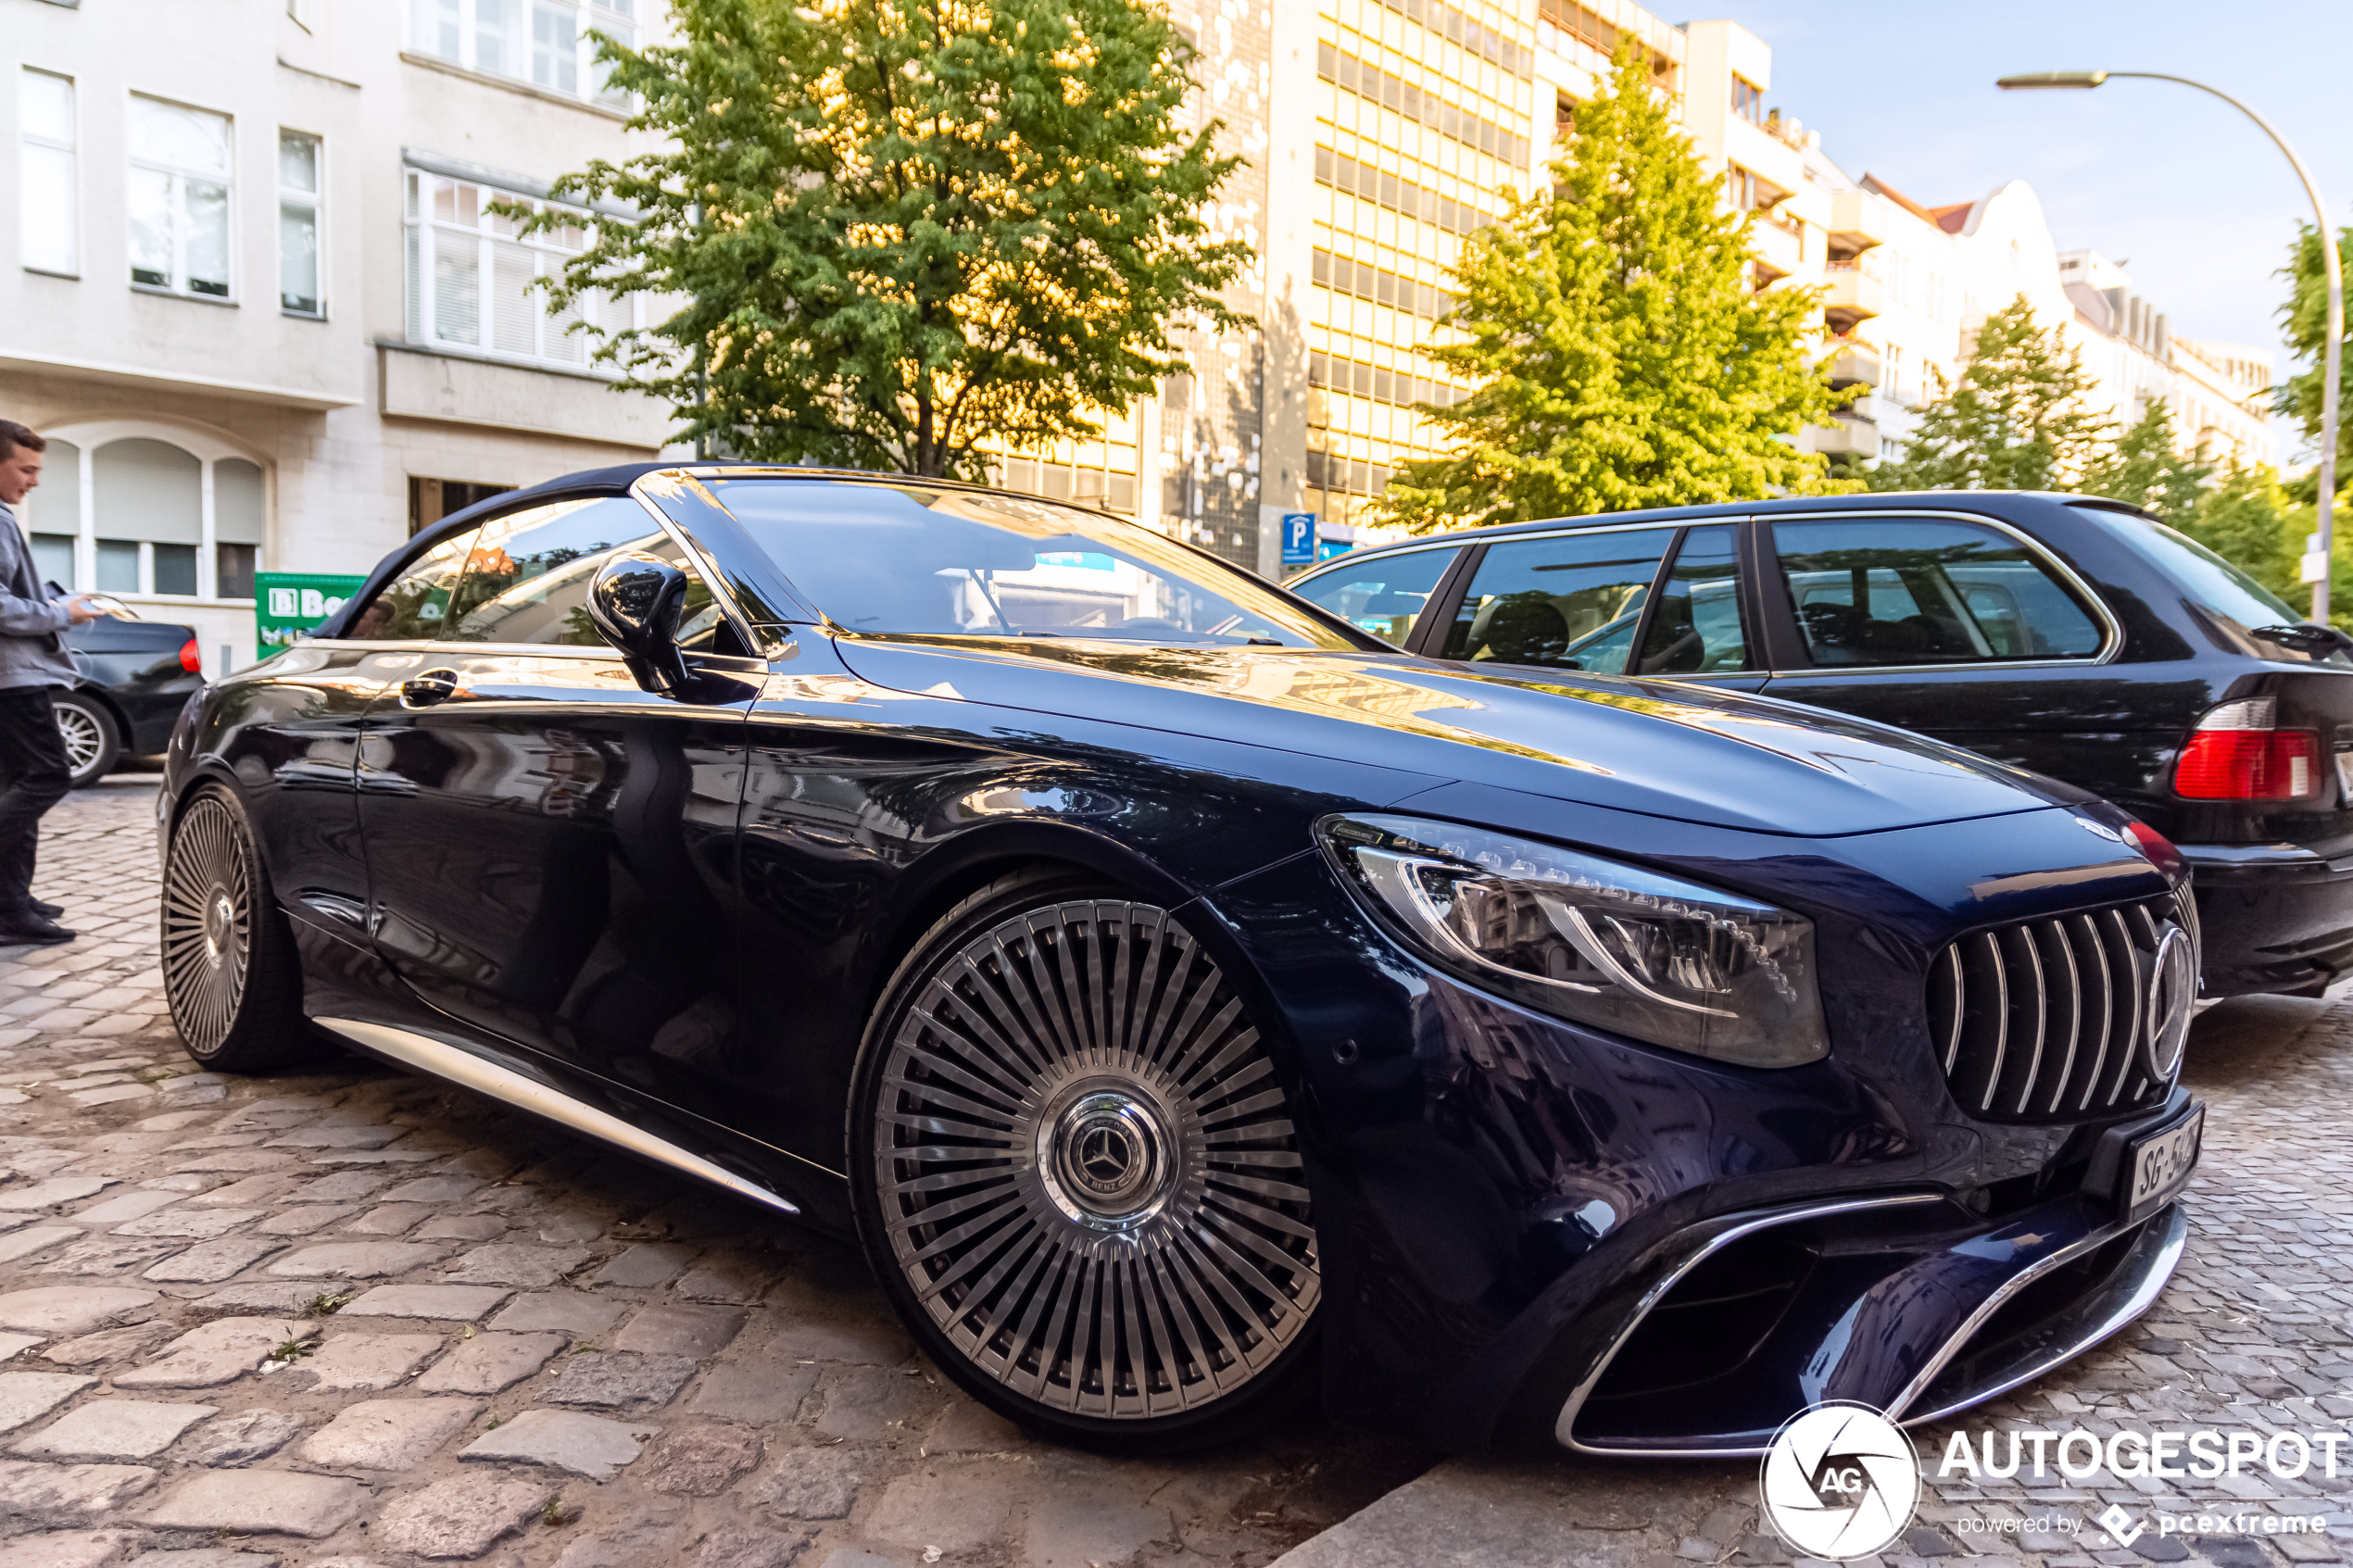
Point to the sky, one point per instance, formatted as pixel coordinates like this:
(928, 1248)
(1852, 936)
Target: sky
(2178, 183)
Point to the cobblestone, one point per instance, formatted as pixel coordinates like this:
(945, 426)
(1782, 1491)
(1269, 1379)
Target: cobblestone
(481, 1313)
(584, 1445)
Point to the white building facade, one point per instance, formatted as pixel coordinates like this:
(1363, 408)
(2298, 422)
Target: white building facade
(257, 297)
(257, 302)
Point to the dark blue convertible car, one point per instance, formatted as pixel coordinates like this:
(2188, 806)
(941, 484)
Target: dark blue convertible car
(1191, 1003)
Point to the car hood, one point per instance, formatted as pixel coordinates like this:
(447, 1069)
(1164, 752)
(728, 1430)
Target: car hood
(1688, 753)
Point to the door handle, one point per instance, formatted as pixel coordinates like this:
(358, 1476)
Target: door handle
(428, 688)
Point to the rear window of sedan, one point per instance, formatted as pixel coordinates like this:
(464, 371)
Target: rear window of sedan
(901, 560)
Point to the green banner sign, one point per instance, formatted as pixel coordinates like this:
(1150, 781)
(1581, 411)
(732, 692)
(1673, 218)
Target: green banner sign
(286, 604)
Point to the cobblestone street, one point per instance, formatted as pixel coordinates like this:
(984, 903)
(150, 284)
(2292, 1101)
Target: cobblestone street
(355, 1317)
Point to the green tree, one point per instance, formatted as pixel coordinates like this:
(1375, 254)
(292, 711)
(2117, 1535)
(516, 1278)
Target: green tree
(894, 228)
(2017, 421)
(2144, 469)
(2306, 316)
(2250, 520)
(1621, 358)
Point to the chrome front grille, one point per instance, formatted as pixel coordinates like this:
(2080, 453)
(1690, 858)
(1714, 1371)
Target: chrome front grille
(2064, 1020)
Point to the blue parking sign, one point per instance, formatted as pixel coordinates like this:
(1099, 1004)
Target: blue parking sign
(1298, 538)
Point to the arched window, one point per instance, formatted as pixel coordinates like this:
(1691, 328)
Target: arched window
(147, 500)
(127, 508)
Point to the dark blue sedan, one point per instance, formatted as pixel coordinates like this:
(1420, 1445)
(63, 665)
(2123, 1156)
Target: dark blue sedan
(1193, 1004)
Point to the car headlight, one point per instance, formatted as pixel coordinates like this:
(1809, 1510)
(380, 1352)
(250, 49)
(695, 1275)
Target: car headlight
(1615, 945)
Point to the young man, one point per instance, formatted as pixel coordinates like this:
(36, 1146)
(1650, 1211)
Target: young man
(33, 664)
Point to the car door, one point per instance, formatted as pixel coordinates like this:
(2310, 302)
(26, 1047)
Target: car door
(1637, 600)
(1957, 627)
(551, 846)
(293, 731)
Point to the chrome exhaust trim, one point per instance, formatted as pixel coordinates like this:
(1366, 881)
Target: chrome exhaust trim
(1564, 1427)
(2156, 1252)
(484, 1076)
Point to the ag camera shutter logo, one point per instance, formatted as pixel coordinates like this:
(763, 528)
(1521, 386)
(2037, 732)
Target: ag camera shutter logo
(1840, 1481)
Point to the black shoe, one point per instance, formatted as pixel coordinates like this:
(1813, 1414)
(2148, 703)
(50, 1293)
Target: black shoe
(29, 929)
(47, 910)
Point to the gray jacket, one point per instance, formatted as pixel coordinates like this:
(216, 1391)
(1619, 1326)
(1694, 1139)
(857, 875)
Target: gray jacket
(32, 650)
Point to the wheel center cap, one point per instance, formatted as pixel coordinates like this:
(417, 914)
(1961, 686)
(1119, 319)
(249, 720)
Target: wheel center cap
(1108, 1157)
(220, 919)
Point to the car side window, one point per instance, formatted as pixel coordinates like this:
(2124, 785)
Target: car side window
(415, 606)
(1696, 629)
(1385, 596)
(527, 576)
(1875, 591)
(528, 573)
(1570, 601)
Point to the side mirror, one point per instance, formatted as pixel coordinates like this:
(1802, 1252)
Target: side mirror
(635, 599)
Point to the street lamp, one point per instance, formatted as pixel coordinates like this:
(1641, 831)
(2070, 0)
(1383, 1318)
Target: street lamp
(2334, 272)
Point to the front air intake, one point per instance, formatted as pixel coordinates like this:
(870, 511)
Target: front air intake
(2067, 1020)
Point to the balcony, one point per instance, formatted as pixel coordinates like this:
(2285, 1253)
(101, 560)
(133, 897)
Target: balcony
(1851, 297)
(1849, 437)
(1779, 248)
(1859, 221)
(1853, 362)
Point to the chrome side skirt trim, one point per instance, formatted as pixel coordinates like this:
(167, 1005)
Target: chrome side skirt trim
(1562, 1428)
(2157, 1253)
(464, 1068)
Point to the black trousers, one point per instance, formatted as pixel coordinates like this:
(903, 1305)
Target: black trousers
(33, 777)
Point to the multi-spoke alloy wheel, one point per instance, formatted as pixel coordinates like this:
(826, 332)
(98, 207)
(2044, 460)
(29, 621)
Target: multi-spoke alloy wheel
(1086, 1169)
(89, 738)
(228, 971)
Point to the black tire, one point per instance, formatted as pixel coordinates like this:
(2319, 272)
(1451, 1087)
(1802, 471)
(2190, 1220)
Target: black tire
(229, 970)
(92, 742)
(1035, 1179)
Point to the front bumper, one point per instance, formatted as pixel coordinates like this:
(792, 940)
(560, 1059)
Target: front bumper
(2272, 917)
(1894, 1307)
(1935, 1335)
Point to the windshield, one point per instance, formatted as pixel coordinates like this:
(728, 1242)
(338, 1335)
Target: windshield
(898, 559)
(2226, 593)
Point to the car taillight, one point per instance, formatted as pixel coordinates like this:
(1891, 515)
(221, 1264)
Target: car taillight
(190, 658)
(2234, 754)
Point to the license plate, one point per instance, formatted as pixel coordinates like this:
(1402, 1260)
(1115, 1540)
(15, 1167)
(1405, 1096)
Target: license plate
(2159, 1165)
(2344, 774)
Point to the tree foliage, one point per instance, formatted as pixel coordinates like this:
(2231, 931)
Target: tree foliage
(2248, 520)
(2305, 318)
(2016, 421)
(1620, 357)
(2142, 469)
(893, 229)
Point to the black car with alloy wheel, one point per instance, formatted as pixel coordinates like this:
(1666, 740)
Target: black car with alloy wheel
(135, 677)
(1191, 1003)
(2063, 635)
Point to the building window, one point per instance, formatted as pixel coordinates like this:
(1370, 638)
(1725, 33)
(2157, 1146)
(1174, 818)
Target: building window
(430, 500)
(1748, 100)
(472, 277)
(47, 224)
(298, 189)
(179, 198)
(545, 42)
(240, 506)
(1745, 191)
(123, 513)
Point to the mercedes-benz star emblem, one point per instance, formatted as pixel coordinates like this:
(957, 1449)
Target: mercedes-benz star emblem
(1106, 1156)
